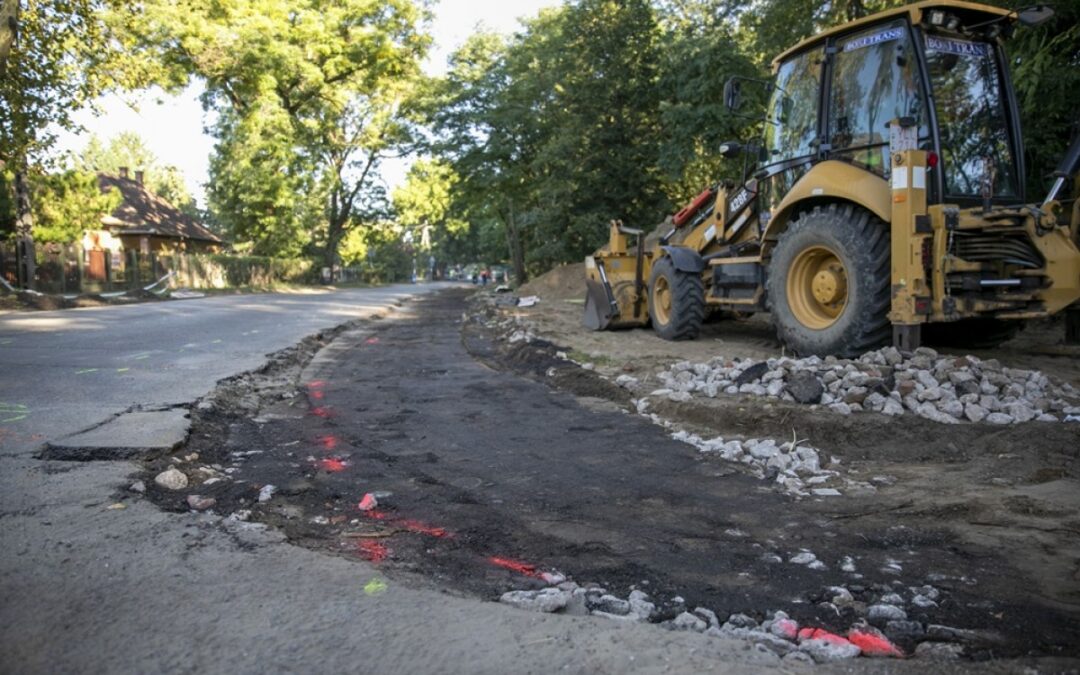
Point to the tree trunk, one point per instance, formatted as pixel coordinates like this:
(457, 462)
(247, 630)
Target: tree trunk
(334, 234)
(9, 22)
(24, 227)
(513, 242)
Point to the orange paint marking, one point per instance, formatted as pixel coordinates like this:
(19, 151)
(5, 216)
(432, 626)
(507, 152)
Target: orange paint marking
(873, 643)
(522, 568)
(332, 464)
(372, 551)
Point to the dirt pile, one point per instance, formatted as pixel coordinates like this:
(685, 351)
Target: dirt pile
(565, 282)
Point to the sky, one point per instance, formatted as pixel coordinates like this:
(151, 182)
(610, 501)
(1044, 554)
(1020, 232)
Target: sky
(172, 126)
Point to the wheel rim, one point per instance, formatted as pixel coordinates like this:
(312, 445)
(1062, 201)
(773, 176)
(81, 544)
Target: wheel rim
(662, 300)
(817, 287)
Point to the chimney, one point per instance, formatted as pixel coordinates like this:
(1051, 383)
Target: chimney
(123, 172)
(139, 176)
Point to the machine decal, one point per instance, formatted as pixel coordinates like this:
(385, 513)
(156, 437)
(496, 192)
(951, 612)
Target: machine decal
(957, 46)
(741, 199)
(874, 39)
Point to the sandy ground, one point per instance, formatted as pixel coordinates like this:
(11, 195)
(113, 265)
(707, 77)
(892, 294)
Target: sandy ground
(1012, 490)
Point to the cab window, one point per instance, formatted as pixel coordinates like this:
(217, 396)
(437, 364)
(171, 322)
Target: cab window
(874, 81)
(792, 125)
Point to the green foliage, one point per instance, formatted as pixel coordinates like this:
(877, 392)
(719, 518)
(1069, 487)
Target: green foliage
(259, 188)
(422, 205)
(1046, 75)
(60, 60)
(556, 131)
(308, 96)
(69, 203)
(236, 271)
(378, 250)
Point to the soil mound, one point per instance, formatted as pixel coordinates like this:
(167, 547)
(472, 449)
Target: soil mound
(564, 282)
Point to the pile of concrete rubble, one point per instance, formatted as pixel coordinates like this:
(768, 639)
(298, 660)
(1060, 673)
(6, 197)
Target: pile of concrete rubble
(945, 389)
(882, 622)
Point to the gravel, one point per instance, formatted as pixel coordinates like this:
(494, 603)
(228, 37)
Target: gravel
(787, 463)
(172, 479)
(941, 388)
(546, 600)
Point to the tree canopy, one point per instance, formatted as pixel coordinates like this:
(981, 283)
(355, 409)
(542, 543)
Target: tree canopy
(526, 147)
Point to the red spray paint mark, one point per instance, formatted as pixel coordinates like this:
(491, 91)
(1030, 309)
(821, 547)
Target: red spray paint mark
(368, 502)
(522, 568)
(322, 412)
(873, 643)
(316, 384)
(414, 526)
(317, 395)
(423, 528)
(332, 464)
(822, 635)
(329, 442)
(373, 551)
(372, 340)
(785, 628)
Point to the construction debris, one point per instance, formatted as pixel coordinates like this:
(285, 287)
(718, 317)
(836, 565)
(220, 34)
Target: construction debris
(944, 389)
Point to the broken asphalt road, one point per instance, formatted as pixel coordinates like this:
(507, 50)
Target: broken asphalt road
(91, 587)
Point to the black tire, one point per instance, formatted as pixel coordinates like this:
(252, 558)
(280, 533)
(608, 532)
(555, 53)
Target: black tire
(860, 240)
(687, 294)
(971, 333)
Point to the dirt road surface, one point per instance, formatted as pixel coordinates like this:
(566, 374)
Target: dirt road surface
(493, 462)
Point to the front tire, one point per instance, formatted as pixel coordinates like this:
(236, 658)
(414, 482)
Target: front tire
(829, 282)
(676, 301)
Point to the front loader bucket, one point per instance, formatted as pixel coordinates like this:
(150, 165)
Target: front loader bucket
(599, 312)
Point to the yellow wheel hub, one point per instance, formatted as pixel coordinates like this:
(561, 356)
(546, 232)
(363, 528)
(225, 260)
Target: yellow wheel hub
(817, 287)
(662, 300)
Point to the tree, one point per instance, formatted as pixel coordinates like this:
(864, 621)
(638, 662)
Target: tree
(328, 78)
(59, 56)
(68, 204)
(556, 132)
(423, 206)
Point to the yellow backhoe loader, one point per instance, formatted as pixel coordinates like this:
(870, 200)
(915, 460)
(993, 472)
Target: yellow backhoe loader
(887, 194)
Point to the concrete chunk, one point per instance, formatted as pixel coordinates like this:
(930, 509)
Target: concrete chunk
(131, 435)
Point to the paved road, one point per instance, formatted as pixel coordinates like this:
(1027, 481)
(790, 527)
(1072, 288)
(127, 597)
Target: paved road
(87, 588)
(69, 369)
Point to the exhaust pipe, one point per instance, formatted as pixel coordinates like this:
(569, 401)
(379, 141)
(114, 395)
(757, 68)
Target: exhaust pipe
(1069, 164)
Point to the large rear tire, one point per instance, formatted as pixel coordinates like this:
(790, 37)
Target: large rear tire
(828, 283)
(676, 301)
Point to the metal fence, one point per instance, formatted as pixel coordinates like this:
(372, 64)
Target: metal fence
(69, 269)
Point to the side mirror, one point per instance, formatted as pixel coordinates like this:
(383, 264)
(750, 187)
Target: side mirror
(730, 150)
(732, 94)
(1035, 15)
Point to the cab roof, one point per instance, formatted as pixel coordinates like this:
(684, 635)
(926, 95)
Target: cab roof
(915, 11)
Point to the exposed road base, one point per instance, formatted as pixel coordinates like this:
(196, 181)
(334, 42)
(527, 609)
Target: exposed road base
(481, 481)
